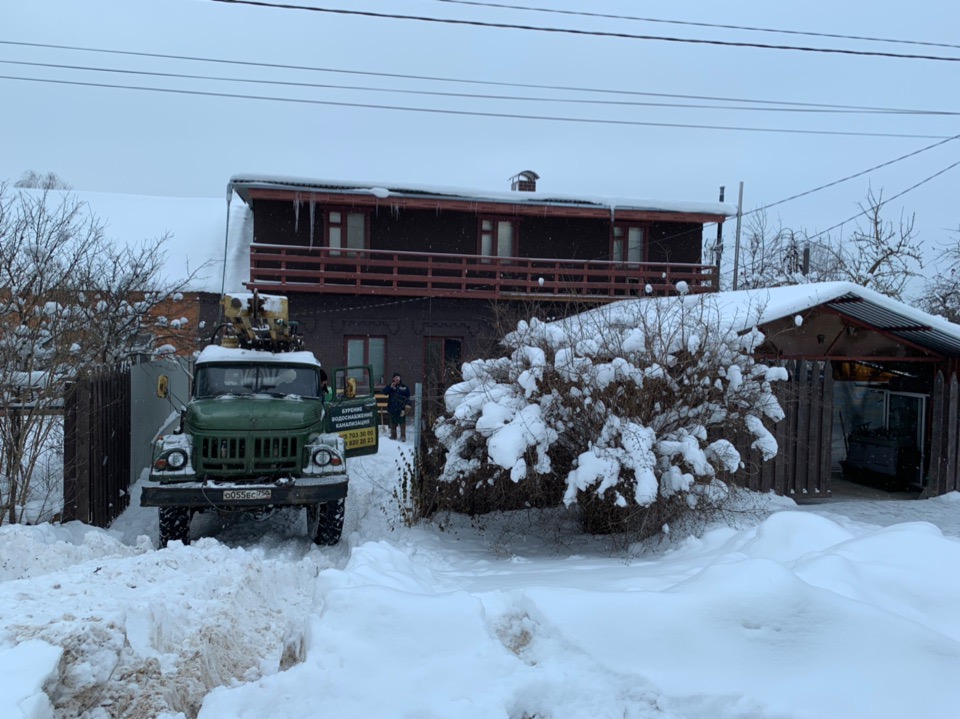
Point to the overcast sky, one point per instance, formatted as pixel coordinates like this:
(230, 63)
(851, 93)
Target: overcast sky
(189, 142)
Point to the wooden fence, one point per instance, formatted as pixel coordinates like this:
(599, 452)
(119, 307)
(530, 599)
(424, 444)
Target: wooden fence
(944, 437)
(802, 466)
(97, 448)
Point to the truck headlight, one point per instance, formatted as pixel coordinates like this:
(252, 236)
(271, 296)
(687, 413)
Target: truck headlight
(177, 459)
(323, 456)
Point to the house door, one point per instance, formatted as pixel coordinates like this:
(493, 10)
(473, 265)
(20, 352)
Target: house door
(441, 368)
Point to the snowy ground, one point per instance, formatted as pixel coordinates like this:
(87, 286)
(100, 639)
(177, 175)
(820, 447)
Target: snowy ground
(834, 610)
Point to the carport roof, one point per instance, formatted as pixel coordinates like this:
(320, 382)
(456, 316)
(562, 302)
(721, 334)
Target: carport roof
(897, 319)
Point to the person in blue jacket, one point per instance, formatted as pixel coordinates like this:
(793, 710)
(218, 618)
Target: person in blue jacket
(398, 403)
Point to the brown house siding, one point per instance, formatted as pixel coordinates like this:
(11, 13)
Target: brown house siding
(453, 232)
(326, 319)
(679, 242)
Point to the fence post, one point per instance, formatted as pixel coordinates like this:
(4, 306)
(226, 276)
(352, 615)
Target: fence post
(417, 429)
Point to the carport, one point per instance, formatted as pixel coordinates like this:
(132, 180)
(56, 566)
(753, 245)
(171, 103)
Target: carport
(873, 390)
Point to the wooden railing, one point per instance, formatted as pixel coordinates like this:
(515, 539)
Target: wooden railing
(420, 274)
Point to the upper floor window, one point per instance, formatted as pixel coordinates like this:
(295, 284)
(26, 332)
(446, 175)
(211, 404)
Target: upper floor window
(498, 238)
(627, 245)
(346, 230)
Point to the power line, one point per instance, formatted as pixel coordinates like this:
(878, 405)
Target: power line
(889, 199)
(466, 81)
(589, 33)
(853, 176)
(837, 182)
(688, 23)
(473, 113)
(478, 96)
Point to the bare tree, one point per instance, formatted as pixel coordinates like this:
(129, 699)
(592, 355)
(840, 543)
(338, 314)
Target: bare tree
(70, 301)
(31, 179)
(941, 295)
(877, 255)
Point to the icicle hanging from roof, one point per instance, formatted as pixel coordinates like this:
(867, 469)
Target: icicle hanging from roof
(296, 212)
(313, 204)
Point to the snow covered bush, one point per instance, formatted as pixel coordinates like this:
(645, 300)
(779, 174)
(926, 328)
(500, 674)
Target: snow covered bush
(630, 412)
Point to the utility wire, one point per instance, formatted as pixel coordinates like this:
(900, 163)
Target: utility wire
(433, 78)
(590, 33)
(853, 176)
(688, 23)
(837, 182)
(888, 200)
(478, 96)
(471, 113)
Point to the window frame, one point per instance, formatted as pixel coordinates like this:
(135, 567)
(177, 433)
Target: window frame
(644, 228)
(494, 236)
(342, 225)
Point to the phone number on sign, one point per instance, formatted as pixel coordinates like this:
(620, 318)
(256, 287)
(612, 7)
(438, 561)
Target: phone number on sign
(360, 438)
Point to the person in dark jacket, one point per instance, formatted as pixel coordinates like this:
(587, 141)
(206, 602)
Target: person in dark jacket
(398, 402)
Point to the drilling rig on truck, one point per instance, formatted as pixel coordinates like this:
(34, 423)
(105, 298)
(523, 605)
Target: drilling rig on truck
(265, 428)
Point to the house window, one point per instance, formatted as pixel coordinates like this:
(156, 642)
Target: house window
(627, 244)
(367, 350)
(498, 238)
(346, 230)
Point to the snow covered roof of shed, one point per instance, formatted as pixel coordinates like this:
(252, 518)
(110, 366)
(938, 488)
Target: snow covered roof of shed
(745, 309)
(243, 183)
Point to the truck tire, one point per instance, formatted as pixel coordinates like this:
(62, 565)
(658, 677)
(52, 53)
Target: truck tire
(325, 522)
(174, 525)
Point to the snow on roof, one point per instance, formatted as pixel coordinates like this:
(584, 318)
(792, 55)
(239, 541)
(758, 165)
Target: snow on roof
(196, 227)
(383, 190)
(745, 309)
(216, 353)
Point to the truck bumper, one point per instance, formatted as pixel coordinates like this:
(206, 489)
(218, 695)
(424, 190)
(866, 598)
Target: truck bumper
(229, 495)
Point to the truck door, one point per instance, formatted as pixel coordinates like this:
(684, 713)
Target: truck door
(352, 412)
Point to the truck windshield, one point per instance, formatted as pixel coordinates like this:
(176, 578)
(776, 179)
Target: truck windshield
(273, 379)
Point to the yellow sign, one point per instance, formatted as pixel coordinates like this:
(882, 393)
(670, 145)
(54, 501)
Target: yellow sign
(356, 438)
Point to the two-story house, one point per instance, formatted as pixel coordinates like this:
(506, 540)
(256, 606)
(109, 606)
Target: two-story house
(412, 279)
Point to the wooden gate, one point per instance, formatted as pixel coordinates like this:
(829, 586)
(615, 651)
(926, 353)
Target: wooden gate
(96, 461)
(944, 437)
(802, 466)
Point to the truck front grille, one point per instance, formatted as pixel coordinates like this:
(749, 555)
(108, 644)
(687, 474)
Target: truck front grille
(274, 453)
(239, 455)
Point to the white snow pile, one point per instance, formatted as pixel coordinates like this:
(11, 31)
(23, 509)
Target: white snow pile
(632, 395)
(799, 614)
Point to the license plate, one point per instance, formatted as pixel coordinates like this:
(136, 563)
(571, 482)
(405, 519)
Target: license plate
(246, 494)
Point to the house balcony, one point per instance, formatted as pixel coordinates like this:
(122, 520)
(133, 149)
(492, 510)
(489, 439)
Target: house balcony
(290, 268)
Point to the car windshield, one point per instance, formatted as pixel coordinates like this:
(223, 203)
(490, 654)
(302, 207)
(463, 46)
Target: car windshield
(273, 379)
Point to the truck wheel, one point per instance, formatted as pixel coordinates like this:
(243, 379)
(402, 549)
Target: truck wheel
(325, 521)
(174, 525)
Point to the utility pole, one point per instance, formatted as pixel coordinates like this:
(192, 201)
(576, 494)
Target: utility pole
(736, 246)
(718, 248)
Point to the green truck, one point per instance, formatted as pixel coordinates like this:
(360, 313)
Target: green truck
(265, 428)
